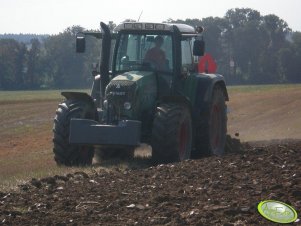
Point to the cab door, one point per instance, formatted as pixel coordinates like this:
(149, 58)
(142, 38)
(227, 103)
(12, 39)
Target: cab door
(188, 69)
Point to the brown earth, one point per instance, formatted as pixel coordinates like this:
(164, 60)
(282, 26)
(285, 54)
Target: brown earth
(25, 125)
(209, 191)
(25, 138)
(265, 114)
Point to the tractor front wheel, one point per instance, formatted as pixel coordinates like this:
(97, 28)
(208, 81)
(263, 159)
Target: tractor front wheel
(171, 134)
(64, 152)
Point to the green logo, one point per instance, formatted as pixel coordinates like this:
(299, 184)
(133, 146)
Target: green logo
(277, 211)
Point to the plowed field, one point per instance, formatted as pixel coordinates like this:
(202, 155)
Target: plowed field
(209, 191)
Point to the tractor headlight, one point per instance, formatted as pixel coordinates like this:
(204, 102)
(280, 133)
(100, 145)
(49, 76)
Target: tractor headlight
(127, 105)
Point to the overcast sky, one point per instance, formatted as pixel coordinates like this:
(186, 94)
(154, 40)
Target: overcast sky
(53, 16)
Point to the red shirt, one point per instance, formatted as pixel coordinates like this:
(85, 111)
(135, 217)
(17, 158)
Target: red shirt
(157, 56)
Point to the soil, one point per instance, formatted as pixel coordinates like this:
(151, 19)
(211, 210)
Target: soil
(210, 191)
(24, 128)
(265, 115)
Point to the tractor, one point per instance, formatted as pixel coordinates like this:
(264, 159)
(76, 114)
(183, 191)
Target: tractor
(160, 100)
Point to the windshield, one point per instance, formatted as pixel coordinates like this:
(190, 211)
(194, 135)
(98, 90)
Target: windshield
(144, 52)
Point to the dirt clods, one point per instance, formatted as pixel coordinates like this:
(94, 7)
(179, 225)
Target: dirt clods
(210, 191)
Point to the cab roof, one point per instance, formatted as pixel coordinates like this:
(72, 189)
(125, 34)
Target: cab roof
(147, 26)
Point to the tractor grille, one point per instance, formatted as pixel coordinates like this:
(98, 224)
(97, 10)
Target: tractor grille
(117, 92)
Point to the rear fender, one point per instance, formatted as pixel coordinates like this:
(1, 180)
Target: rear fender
(203, 96)
(204, 89)
(210, 84)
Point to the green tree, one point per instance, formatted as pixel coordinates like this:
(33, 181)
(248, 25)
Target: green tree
(33, 77)
(257, 44)
(11, 63)
(63, 67)
(243, 41)
(21, 67)
(290, 58)
(276, 30)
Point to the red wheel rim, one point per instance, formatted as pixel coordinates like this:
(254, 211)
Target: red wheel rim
(216, 128)
(183, 136)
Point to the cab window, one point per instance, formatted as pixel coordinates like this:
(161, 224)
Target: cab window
(138, 52)
(187, 58)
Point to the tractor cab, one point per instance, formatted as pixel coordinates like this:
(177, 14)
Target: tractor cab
(163, 48)
(170, 50)
(152, 47)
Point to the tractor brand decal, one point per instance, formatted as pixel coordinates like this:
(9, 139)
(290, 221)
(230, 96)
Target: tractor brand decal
(117, 93)
(276, 211)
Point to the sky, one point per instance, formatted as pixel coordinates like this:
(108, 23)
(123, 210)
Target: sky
(54, 16)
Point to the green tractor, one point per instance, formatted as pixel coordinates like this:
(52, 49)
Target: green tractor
(147, 89)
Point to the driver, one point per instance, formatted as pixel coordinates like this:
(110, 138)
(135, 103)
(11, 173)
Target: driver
(156, 55)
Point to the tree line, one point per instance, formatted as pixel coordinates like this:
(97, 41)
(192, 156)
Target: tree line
(48, 63)
(249, 48)
(252, 49)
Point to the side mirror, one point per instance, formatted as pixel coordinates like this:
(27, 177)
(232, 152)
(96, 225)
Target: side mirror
(198, 48)
(80, 43)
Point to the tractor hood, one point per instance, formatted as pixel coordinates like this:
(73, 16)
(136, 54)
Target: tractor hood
(135, 88)
(141, 81)
(134, 76)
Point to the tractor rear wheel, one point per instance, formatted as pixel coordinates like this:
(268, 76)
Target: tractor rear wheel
(64, 152)
(211, 136)
(171, 134)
